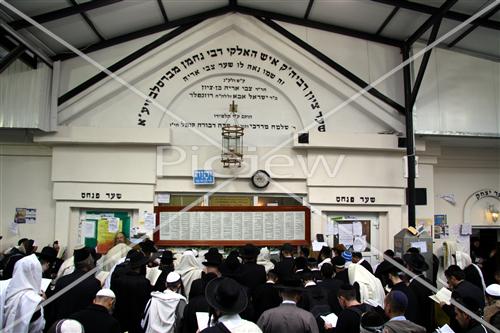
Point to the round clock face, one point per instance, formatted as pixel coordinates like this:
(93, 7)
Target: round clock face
(261, 179)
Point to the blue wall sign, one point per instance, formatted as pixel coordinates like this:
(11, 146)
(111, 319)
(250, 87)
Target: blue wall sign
(203, 177)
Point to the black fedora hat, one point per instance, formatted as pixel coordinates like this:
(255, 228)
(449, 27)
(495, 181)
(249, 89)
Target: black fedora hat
(167, 257)
(287, 247)
(391, 268)
(148, 246)
(212, 260)
(249, 251)
(48, 254)
(81, 253)
(416, 262)
(137, 259)
(226, 295)
(291, 284)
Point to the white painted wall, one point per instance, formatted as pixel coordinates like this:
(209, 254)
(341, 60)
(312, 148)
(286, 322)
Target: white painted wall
(459, 94)
(25, 183)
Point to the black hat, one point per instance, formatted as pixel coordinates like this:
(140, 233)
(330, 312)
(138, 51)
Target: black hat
(226, 295)
(291, 284)
(391, 268)
(137, 259)
(48, 254)
(249, 251)
(416, 262)
(300, 263)
(148, 246)
(470, 304)
(287, 247)
(80, 254)
(312, 261)
(212, 250)
(212, 260)
(338, 261)
(167, 257)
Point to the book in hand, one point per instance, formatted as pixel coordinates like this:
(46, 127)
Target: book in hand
(445, 329)
(443, 295)
(330, 319)
(202, 320)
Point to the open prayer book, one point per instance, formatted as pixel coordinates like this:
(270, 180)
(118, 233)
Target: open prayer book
(445, 329)
(330, 319)
(443, 295)
(202, 320)
(45, 284)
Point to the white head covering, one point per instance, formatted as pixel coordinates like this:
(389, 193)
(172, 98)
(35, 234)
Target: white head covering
(22, 297)
(264, 259)
(69, 326)
(370, 287)
(105, 292)
(189, 269)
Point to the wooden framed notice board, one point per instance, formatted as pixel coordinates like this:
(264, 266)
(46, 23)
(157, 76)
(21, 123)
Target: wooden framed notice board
(233, 226)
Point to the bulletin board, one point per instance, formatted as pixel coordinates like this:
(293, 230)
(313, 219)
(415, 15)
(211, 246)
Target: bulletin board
(103, 238)
(233, 226)
(357, 239)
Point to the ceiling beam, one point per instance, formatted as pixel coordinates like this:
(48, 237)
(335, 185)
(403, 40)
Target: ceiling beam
(320, 26)
(11, 57)
(308, 10)
(29, 45)
(88, 21)
(163, 11)
(431, 21)
(387, 20)
(9, 45)
(473, 26)
(64, 12)
(145, 32)
(423, 64)
(336, 66)
(426, 9)
(124, 62)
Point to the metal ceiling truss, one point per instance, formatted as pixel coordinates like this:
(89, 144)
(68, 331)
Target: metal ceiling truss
(11, 57)
(387, 20)
(426, 9)
(88, 21)
(9, 45)
(163, 11)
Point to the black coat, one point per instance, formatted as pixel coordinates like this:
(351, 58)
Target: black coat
(343, 276)
(265, 297)
(284, 268)
(161, 282)
(425, 317)
(381, 272)
(462, 290)
(96, 319)
(349, 319)
(132, 292)
(331, 287)
(196, 304)
(74, 299)
(252, 275)
(412, 308)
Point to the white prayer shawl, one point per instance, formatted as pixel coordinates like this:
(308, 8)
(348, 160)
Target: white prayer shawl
(114, 255)
(3, 291)
(189, 269)
(370, 287)
(161, 312)
(264, 259)
(107, 282)
(22, 298)
(67, 267)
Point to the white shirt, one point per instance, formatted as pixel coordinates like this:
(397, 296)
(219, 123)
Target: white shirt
(235, 324)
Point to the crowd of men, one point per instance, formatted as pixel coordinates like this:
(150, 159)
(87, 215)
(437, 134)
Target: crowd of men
(154, 291)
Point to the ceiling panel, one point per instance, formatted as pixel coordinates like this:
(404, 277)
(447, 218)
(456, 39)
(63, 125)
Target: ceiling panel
(355, 14)
(36, 7)
(483, 40)
(72, 29)
(404, 24)
(126, 16)
(295, 8)
(177, 9)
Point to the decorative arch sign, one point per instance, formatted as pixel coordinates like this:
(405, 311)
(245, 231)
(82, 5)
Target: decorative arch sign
(475, 197)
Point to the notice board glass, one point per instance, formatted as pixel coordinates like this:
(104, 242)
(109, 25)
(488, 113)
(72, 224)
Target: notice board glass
(232, 226)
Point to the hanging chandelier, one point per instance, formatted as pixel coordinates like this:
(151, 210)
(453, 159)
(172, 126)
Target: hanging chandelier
(232, 139)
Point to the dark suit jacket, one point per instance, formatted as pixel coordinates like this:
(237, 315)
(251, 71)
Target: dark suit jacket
(265, 297)
(74, 299)
(96, 319)
(342, 276)
(463, 289)
(287, 318)
(284, 269)
(412, 308)
(196, 304)
(332, 286)
(252, 275)
(425, 317)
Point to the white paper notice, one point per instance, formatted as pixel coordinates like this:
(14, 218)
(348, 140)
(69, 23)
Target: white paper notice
(202, 320)
(357, 228)
(113, 224)
(422, 246)
(149, 221)
(163, 198)
(14, 228)
(466, 229)
(359, 244)
(345, 234)
(88, 229)
(316, 246)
